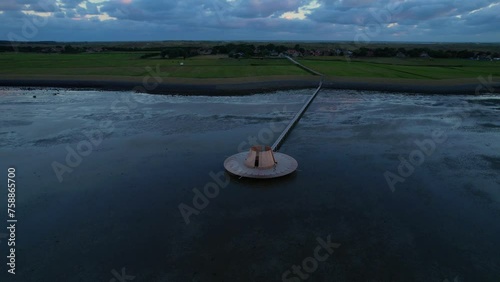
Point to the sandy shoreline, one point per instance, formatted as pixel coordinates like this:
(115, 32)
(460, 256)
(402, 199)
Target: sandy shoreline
(249, 85)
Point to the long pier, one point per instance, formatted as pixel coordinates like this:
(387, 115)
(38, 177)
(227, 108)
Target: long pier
(277, 144)
(303, 67)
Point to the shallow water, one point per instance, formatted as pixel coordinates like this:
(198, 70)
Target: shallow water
(117, 206)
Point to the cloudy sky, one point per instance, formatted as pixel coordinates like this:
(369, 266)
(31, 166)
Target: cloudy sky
(353, 20)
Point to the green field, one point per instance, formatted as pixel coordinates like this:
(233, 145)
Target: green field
(121, 64)
(411, 68)
(131, 65)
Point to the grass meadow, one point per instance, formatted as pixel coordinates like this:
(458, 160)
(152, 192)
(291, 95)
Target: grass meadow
(410, 68)
(131, 65)
(122, 64)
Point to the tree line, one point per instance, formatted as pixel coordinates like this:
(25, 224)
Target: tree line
(418, 52)
(239, 50)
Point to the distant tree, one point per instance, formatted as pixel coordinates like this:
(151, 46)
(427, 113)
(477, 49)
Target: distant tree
(270, 47)
(68, 49)
(246, 49)
(416, 52)
(149, 55)
(465, 54)
(361, 52)
(219, 49)
(230, 46)
(163, 53)
(438, 54)
(174, 53)
(385, 52)
(281, 48)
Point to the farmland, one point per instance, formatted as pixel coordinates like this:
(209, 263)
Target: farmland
(128, 65)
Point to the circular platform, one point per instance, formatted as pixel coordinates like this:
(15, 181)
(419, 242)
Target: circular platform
(284, 165)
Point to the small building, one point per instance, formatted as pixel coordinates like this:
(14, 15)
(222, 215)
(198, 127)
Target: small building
(400, 55)
(424, 55)
(293, 53)
(204, 51)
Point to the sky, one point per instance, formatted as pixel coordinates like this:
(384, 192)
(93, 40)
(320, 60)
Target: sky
(307, 20)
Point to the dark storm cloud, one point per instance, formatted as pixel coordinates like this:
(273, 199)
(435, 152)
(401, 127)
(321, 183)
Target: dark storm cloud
(68, 13)
(91, 9)
(143, 10)
(484, 17)
(44, 6)
(357, 12)
(167, 9)
(264, 8)
(71, 3)
(413, 12)
(425, 20)
(10, 5)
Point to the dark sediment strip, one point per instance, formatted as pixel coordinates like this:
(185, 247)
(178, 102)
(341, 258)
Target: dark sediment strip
(422, 88)
(226, 89)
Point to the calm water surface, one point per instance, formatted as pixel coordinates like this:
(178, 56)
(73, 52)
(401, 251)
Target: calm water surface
(127, 161)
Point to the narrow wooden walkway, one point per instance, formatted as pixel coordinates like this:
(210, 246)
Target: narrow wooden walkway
(277, 144)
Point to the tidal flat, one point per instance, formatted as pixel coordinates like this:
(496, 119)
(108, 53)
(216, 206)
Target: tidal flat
(100, 177)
